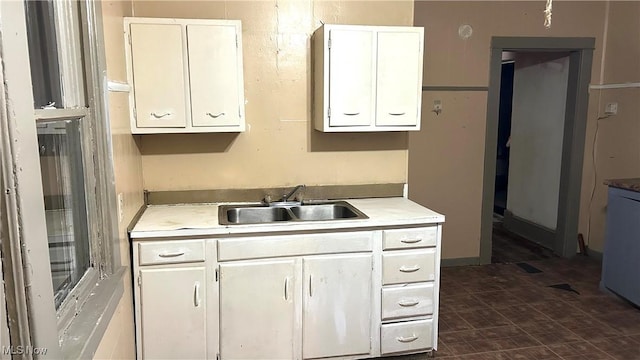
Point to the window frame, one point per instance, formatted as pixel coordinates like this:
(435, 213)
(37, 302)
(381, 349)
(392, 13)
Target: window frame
(76, 329)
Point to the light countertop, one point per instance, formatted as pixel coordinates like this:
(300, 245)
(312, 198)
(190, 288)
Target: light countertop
(202, 219)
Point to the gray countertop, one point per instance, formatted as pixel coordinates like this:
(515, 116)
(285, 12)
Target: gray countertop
(632, 184)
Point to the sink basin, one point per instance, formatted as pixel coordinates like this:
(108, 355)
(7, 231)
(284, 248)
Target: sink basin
(257, 215)
(287, 212)
(324, 212)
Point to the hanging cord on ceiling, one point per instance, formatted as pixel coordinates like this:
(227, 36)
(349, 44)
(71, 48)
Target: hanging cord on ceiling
(547, 14)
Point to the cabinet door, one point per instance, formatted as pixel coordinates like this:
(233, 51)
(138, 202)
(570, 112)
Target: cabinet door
(158, 75)
(399, 78)
(173, 313)
(336, 318)
(351, 71)
(257, 309)
(620, 265)
(215, 74)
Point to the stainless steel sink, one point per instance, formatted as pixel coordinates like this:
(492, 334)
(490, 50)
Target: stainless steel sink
(256, 215)
(324, 212)
(285, 212)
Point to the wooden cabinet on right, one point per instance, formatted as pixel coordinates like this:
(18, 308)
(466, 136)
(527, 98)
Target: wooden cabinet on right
(367, 78)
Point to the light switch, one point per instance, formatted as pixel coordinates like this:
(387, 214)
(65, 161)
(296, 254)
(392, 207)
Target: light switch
(437, 106)
(611, 109)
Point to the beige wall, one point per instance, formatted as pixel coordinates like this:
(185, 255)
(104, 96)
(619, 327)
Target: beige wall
(446, 157)
(119, 340)
(279, 147)
(617, 142)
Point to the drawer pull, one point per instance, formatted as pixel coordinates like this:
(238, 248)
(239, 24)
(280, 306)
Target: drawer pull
(171, 255)
(215, 115)
(409, 269)
(408, 303)
(396, 114)
(409, 339)
(352, 114)
(160, 116)
(411, 241)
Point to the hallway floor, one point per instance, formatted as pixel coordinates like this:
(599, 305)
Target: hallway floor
(501, 311)
(507, 247)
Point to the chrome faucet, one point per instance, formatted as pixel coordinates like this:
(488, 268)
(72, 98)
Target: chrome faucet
(286, 196)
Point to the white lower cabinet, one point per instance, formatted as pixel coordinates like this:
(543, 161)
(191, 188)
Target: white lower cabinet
(257, 309)
(260, 301)
(172, 313)
(336, 317)
(410, 286)
(172, 297)
(314, 295)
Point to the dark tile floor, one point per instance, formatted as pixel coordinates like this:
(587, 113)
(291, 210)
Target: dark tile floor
(500, 311)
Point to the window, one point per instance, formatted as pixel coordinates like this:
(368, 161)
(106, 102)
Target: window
(60, 264)
(65, 203)
(64, 127)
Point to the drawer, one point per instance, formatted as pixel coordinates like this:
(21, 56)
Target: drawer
(408, 266)
(170, 252)
(405, 301)
(409, 238)
(406, 336)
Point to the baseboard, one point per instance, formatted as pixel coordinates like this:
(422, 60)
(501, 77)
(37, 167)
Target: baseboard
(596, 255)
(460, 261)
(529, 230)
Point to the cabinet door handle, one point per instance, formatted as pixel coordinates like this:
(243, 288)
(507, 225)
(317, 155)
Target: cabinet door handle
(286, 288)
(409, 269)
(160, 116)
(352, 114)
(215, 115)
(396, 114)
(408, 303)
(171, 255)
(411, 338)
(310, 291)
(411, 241)
(196, 295)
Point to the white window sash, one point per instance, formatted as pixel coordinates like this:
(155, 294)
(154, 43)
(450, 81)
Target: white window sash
(67, 23)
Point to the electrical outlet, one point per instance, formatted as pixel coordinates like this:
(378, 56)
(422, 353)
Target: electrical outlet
(611, 109)
(120, 207)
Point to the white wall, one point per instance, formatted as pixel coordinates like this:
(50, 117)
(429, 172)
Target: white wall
(537, 126)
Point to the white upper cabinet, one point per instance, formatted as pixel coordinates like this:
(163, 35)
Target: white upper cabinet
(367, 78)
(186, 75)
(399, 75)
(351, 71)
(158, 67)
(216, 83)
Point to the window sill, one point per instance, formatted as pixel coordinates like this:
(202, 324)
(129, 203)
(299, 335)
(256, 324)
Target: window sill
(82, 337)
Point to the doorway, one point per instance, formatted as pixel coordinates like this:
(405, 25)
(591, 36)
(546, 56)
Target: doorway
(563, 241)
